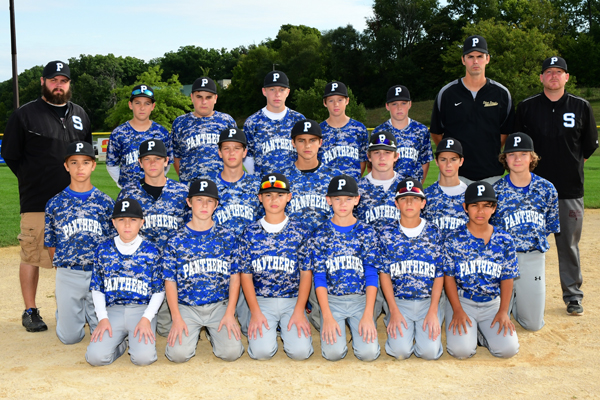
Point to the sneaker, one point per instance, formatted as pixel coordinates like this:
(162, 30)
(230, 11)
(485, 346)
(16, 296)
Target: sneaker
(574, 308)
(32, 321)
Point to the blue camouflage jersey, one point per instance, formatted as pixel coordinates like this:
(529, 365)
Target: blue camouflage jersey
(127, 279)
(478, 268)
(377, 207)
(412, 263)
(309, 189)
(445, 211)
(238, 202)
(164, 216)
(195, 143)
(124, 145)
(344, 148)
(529, 214)
(270, 142)
(201, 264)
(75, 227)
(347, 260)
(414, 148)
(275, 259)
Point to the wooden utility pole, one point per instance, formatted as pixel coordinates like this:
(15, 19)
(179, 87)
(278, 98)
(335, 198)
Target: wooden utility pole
(13, 50)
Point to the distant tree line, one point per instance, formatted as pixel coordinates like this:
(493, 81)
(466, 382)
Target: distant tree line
(412, 42)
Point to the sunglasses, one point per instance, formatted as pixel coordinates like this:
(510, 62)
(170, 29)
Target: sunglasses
(386, 141)
(276, 184)
(147, 92)
(414, 189)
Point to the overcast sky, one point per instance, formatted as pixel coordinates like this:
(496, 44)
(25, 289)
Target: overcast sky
(48, 30)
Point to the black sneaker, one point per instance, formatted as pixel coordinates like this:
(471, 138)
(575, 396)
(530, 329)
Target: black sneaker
(32, 321)
(574, 308)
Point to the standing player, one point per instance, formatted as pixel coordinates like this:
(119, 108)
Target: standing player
(478, 112)
(308, 177)
(345, 140)
(445, 197)
(238, 204)
(195, 135)
(345, 264)
(412, 137)
(201, 281)
(268, 130)
(127, 289)
(528, 210)
(77, 220)
(35, 140)
(124, 143)
(479, 269)
(412, 278)
(564, 133)
(276, 276)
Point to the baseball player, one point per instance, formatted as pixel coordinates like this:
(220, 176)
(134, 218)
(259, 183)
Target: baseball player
(201, 281)
(124, 142)
(127, 289)
(528, 210)
(345, 264)
(276, 276)
(564, 133)
(195, 135)
(238, 203)
(308, 177)
(478, 112)
(412, 278)
(479, 268)
(445, 197)
(412, 137)
(268, 130)
(345, 140)
(77, 220)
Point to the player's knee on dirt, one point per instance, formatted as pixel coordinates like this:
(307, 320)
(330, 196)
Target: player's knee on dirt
(508, 349)
(300, 351)
(231, 352)
(262, 351)
(398, 349)
(367, 352)
(72, 337)
(431, 351)
(178, 354)
(143, 357)
(334, 352)
(96, 359)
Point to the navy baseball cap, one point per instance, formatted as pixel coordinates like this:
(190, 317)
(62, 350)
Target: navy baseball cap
(555, 62)
(80, 148)
(335, 88)
(142, 91)
(152, 147)
(475, 43)
(342, 185)
(274, 183)
(449, 144)
(307, 127)
(518, 141)
(204, 84)
(398, 93)
(480, 191)
(128, 207)
(203, 187)
(276, 78)
(55, 68)
(383, 140)
(232, 135)
(410, 187)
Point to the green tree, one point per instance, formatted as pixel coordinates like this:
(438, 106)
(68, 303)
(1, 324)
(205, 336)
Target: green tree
(29, 90)
(170, 101)
(309, 102)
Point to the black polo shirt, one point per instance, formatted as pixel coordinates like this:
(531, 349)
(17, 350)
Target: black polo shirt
(477, 123)
(564, 134)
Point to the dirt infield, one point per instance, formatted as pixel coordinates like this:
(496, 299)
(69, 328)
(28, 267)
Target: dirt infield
(560, 361)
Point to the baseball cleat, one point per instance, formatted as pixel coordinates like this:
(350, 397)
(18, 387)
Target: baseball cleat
(574, 308)
(32, 321)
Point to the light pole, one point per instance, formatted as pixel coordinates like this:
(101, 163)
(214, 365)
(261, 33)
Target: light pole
(13, 50)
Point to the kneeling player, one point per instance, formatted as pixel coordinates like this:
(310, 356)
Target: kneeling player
(127, 289)
(345, 266)
(201, 282)
(276, 278)
(481, 263)
(412, 278)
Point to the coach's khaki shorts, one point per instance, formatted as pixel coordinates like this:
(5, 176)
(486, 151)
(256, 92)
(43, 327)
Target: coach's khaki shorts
(31, 239)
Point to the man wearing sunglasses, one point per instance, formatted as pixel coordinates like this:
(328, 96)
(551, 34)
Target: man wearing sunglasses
(124, 143)
(34, 147)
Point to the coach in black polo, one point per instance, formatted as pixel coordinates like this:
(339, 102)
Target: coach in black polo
(564, 135)
(478, 112)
